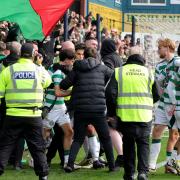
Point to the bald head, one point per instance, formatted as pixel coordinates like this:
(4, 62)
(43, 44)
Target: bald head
(14, 47)
(68, 45)
(135, 50)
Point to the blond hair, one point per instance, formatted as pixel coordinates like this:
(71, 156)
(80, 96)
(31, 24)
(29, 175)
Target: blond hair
(167, 43)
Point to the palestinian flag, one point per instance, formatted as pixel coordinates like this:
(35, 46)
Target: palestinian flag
(36, 18)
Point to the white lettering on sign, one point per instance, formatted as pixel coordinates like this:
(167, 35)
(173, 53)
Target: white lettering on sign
(24, 75)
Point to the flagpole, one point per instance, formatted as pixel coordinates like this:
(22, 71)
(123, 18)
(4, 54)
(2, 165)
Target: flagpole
(66, 26)
(98, 33)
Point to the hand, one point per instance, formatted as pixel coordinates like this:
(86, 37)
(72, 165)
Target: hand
(58, 93)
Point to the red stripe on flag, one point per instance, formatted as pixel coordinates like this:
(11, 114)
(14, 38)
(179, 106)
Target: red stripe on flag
(50, 12)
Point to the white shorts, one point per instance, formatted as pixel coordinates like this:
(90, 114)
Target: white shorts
(58, 116)
(162, 119)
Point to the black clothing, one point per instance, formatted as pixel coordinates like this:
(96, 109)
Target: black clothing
(17, 153)
(46, 48)
(56, 144)
(10, 59)
(135, 134)
(88, 79)
(109, 55)
(30, 128)
(98, 120)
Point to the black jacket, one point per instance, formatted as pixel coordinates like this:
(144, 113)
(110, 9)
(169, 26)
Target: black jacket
(88, 79)
(109, 55)
(10, 59)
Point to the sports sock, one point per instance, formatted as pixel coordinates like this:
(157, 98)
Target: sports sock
(94, 147)
(154, 152)
(168, 156)
(66, 156)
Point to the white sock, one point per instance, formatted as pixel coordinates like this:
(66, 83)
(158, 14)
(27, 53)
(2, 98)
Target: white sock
(66, 157)
(94, 147)
(174, 154)
(86, 146)
(154, 153)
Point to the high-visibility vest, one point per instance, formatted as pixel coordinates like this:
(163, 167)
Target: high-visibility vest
(24, 89)
(134, 101)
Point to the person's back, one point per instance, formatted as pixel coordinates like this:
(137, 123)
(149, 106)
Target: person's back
(89, 77)
(22, 86)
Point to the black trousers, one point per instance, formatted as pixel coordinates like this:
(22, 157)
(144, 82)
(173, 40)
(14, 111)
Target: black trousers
(56, 145)
(135, 135)
(17, 153)
(81, 121)
(30, 128)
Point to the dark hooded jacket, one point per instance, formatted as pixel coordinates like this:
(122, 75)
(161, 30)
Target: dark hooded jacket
(88, 79)
(109, 55)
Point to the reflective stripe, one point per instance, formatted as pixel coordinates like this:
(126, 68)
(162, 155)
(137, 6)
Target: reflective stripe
(121, 94)
(135, 107)
(2, 93)
(135, 95)
(120, 80)
(149, 81)
(13, 80)
(12, 101)
(24, 91)
(34, 84)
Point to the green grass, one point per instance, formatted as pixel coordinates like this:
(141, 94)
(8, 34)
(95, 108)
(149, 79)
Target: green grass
(90, 174)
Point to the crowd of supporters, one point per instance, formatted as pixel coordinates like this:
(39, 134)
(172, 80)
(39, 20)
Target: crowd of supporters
(62, 60)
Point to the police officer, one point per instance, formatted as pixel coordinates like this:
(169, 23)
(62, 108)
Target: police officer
(22, 86)
(130, 91)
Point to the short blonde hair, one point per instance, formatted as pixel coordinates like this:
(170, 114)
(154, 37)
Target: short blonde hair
(167, 43)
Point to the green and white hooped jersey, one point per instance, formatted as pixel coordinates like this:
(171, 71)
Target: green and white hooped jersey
(167, 74)
(175, 80)
(159, 70)
(57, 77)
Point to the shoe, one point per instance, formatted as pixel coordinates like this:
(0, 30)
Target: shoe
(151, 170)
(76, 167)
(43, 178)
(103, 161)
(68, 169)
(119, 162)
(177, 166)
(170, 167)
(17, 168)
(86, 162)
(98, 165)
(142, 176)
